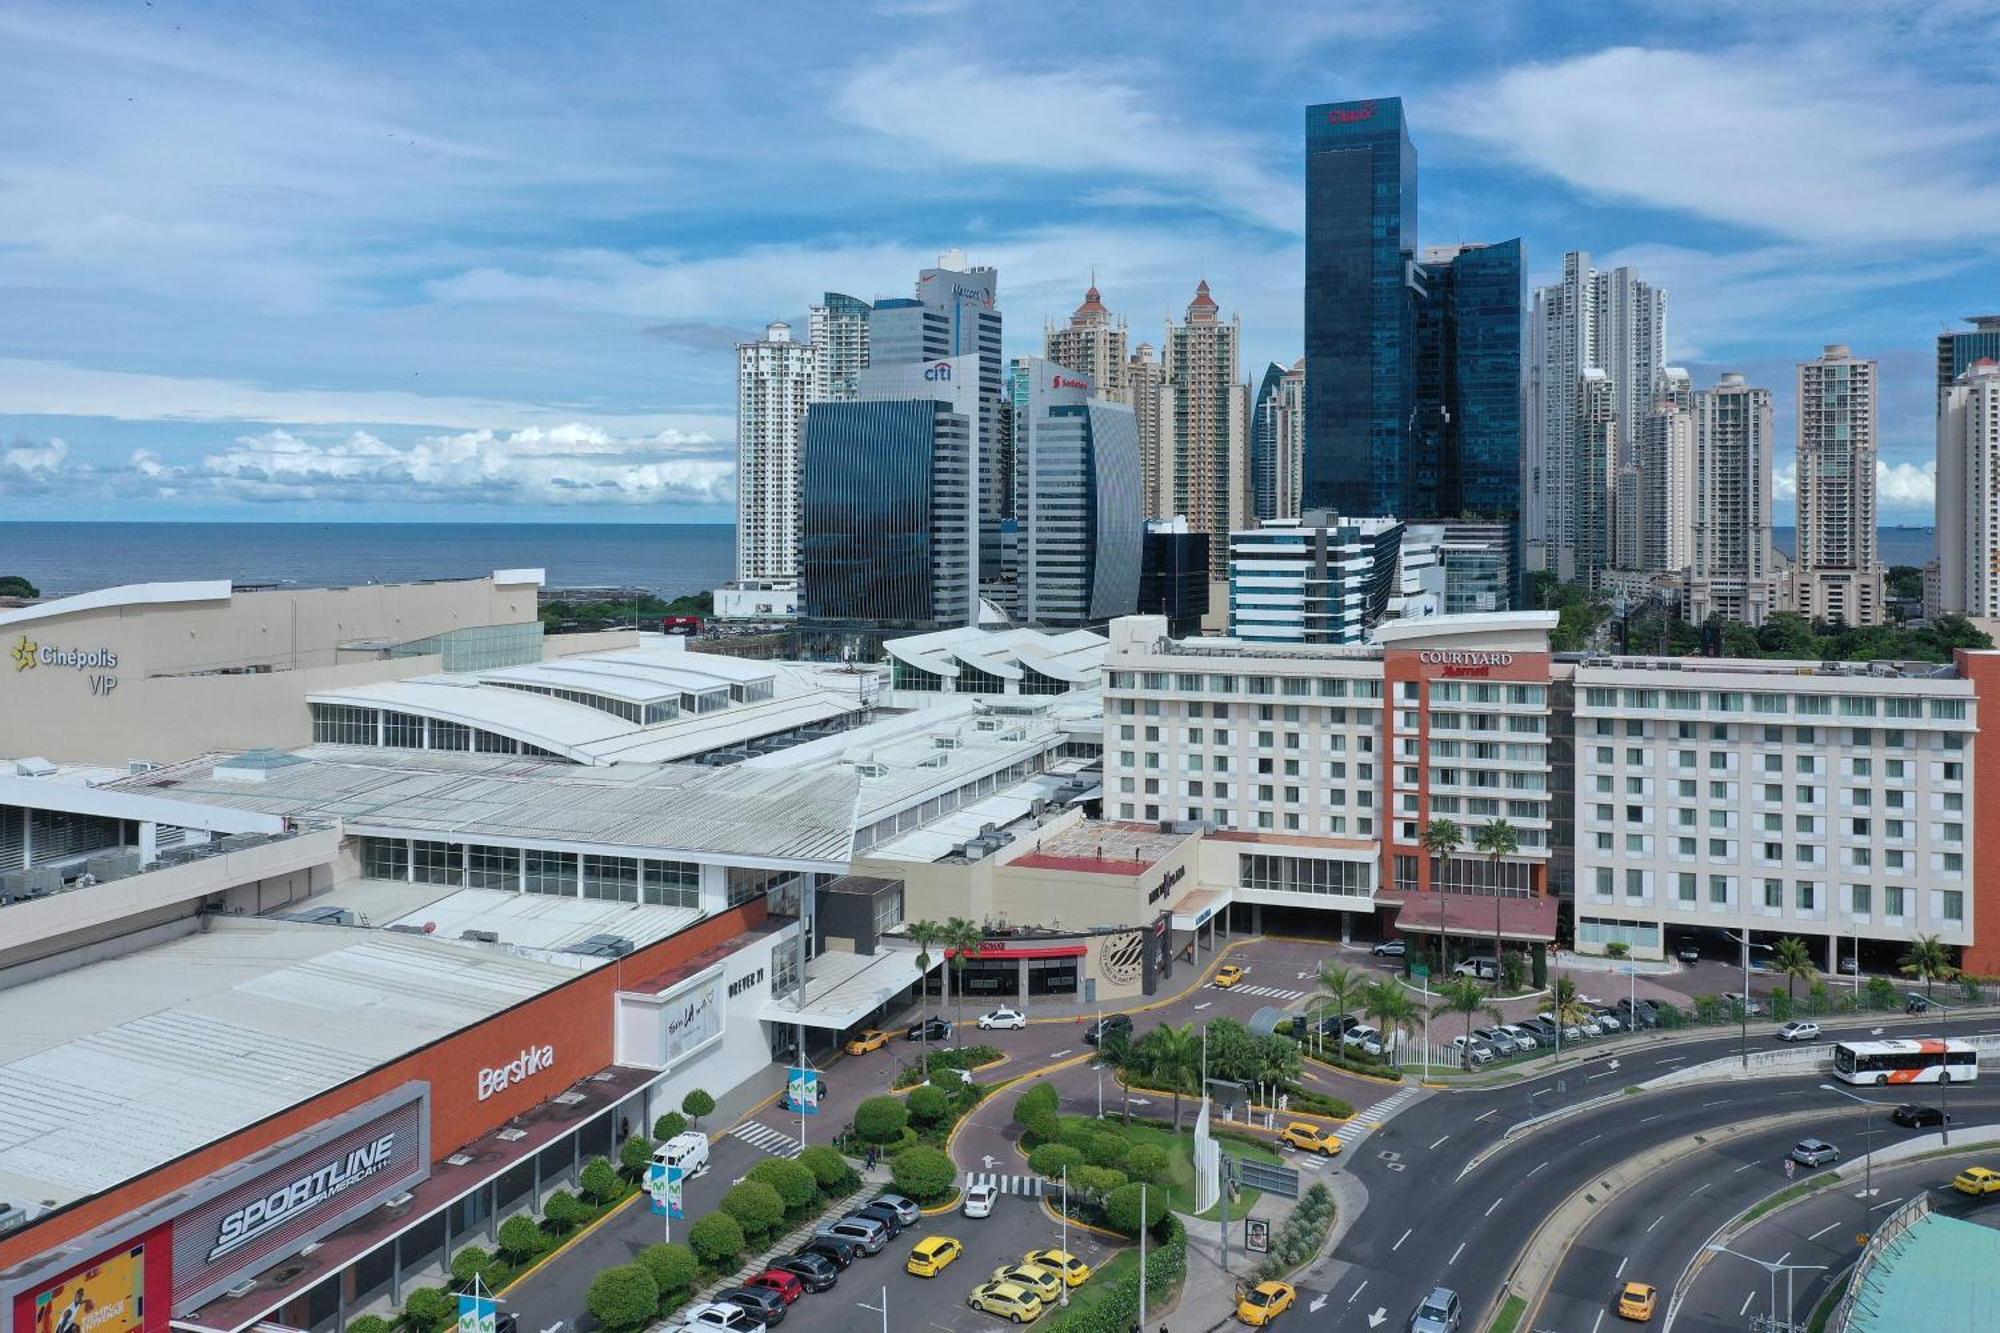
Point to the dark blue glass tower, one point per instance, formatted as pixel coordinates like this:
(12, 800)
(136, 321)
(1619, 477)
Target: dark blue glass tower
(1466, 437)
(1264, 445)
(1361, 236)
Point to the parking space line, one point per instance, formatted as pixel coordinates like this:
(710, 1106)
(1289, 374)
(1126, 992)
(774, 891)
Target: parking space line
(1823, 1230)
(1621, 1268)
(1656, 1221)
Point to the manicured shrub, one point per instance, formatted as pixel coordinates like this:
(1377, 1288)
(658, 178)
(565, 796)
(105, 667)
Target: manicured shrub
(1146, 1162)
(1041, 1097)
(562, 1212)
(668, 1125)
(696, 1105)
(634, 1156)
(795, 1184)
(928, 1106)
(599, 1180)
(1094, 1183)
(716, 1239)
(520, 1239)
(623, 1297)
(673, 1267)
(1106, 1148)
(1043, 1126)
(881, 1119)
(1051, 1158)
(1077, 1133)
(370, 1323)
(756, 1208)
(428, 1309)
(469, 1263)
(1121, 1208)
(830, 1170)
(925, 1174)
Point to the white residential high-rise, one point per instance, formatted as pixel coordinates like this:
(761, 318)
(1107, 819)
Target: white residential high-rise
(1291, 438)
(1734, 571)
(1596, 475)
(1666, 477)
(839, 330)
(1204, 428)
(774, 383)
(1837, 570)
(1093, 344)
(1144, 383)
(1968, 492)
(1612, 322)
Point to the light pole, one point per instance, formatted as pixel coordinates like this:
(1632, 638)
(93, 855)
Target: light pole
(1142, 1256)
(882, 1309)
(1944, 1072)
(1743, 1010)
(1776, 1325)
(1062, 1292)
(1868, 1132)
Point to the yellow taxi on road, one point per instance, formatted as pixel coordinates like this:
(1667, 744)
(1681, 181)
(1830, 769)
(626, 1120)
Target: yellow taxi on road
(1977, 1180)
(1265, 1302)
(932, 1255)
(1046, 1283)
(1638, 1301)
(1074, 1270)
(1009, 1300)
(866, 1040)
(1309, 1138)
(1229, 974)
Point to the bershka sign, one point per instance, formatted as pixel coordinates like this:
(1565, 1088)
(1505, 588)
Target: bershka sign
(312, 1186)
(527, 1064)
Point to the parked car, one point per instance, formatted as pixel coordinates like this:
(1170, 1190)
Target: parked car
(1748, 1003)
(765, 1306)
(891, 1220)
(1571, 1030)
(1502, 1041)
(866, 1040)
(1687, 953)
(1814, 1152)
(1484, 968)
(1850, 966)
(1543, 1031)
(1798, 1030)
(1476, 1053)
(1002, 1017)
(1364, 1039)
(907, 1212)
(1112, 1023)
(1075, 1272)
(813, 1269)
(1390, 949)
(788, 1285)
(1911, 1116)
(932, 1255)
(979, 1200)
(726, 1316)
(1438, 1312)
(1524, 1039)
(1608, 1020)
(866, 1232)
(1009, 1300)
(1046, 1283)
(1644, 1014)
(840, 1251)
(928, 1029)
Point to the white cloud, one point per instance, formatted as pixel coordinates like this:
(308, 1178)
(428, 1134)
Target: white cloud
(1811, 143)
(1906, 485)
(32, 460)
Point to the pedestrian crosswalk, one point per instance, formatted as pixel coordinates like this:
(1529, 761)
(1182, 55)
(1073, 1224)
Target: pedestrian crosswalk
(765, 1139)
(1267, 992)
(1374, 1117)
(1028, 1186)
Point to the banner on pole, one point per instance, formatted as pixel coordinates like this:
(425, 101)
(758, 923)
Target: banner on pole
(663, 1190)
(803, 1090)
(477, 1312)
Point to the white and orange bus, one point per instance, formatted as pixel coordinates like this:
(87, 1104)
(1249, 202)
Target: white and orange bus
(1925, 1060)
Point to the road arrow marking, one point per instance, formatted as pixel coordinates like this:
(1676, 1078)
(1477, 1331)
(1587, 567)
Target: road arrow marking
(1139, 1101)
(1318, 1304)
(1380, 1317)
(1200, 1007)
(987, 1160)
(1056, 1056)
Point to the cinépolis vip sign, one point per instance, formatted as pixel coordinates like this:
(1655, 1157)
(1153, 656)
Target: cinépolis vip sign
(99, 662)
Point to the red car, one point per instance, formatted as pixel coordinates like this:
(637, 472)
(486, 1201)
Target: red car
(786, 1285)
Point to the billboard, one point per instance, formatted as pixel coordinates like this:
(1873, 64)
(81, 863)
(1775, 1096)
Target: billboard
(691, 1017)
(312, 1186)
(107, 1297)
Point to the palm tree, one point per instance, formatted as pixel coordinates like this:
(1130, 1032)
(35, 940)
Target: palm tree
(1171, 1057)
(1391, 1009)
(1496, 838)
(1340, 984)
(926, 935)
(1568, 1009)
(1114, 1052)
(1442, 837)
(1930, 960)
(1464, 995)
(1794, 959)
(961, 939)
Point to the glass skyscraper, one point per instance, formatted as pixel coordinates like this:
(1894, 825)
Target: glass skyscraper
(1264, 429)
(1470, 315)
(1361, 236)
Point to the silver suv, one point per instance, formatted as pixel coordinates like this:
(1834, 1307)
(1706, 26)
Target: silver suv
(1437, 1313)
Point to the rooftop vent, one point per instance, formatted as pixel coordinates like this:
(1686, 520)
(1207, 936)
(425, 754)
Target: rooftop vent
(458, 1159)
(480, 936)
(511, 1135)
(33, 767)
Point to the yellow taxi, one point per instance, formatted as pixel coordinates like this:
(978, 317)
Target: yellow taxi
(1074, 1270)
(1977, 1180)
(932, 1255)
(866, 1040)
(1008, 1300)
(1638, 1301)
(1265, 1302)
(1229, 974)
(1044, 1282)
(1309, 1138)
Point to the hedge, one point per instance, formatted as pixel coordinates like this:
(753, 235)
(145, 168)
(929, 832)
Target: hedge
(623, 1297)
(1313, 1103)
(1118, 1312)
(429, 1308)
(944, 1058)
(831, 1171)
(370, 1323)
(881, 1119)
(924, 1174)
(1303, 1232)
(1051, 1158)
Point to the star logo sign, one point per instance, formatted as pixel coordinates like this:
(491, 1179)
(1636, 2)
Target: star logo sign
(24, 653)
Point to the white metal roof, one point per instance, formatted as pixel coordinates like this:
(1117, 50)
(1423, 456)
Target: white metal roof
(1074, 656)
(844, 988)
(130, 594)
(539, 924)
(109, 1069)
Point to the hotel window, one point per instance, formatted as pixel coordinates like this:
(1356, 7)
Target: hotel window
(1222, 684)
(1684, 846)
(1719, 890)
(1812, 705)
(1856, 706)
(1893, 901)
(1774, 894)
(493, 868)
(1636, 885)
(1898, 707)
(678, 884)
(1604, 881)
(385, 858)
(1684, 887)
(1858, 899)
(435, 863)
(1948, 709)
(552, 873)
(1953, 904)
(1332, 689)
(1807, 895)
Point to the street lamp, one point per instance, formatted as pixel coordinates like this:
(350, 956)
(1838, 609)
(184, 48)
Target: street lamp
(1743, 1010)
(1774, 1269)
(1868, 1132)
(1062, 1292)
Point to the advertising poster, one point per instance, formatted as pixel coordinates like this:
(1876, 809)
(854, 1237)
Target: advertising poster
(1256, 1235)
(478, 1313)
(802, 1090)
(663, 1189)
(109, 1297)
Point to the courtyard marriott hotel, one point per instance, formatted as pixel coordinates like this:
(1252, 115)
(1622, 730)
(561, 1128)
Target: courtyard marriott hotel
(1650, 799)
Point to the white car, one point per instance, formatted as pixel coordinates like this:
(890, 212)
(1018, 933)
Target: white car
(1524, 1040)
(1366, 1038)
(1798, 1030)
(1003, 1018)
(717, 1315)
(979, 1200)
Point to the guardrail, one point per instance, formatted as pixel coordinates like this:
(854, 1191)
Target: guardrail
(1885, 1235)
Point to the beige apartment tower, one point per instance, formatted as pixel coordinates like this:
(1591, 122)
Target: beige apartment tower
(1204, 429)
(1837, 573)
(1734, 567)
(1968, 492)
(775, 380)
(1144, 383)
(1093, 343)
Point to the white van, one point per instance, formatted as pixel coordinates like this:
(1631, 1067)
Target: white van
(687, 1150)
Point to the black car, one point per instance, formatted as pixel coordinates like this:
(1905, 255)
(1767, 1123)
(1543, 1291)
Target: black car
(928, 1029)
(813, 1269)
(1097, 1032)
(506, 1323)
(1911, 1116)
(883, 1213)
(767, 1307)
(842, 1251)
(1643, 1014)
(1687, 953)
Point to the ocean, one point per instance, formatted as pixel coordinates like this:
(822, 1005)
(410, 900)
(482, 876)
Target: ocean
(667, 558)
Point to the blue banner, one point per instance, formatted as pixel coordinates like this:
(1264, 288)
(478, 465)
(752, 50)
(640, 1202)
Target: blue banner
(663, 1188)
(477, 1313)
(803, 1090)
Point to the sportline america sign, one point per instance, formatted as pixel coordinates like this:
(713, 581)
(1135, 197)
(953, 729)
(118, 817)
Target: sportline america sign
(317, 1183)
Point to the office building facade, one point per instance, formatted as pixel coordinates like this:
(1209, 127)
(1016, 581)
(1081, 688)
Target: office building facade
(1173, 574)
(1968, 492)
(1204, 426)
(1277, 442)
(1316, 579)
(774, 383)
(1837, 569)
(1734, 568)
(1465, 458)
(1081, 522)
(838, 326)
(1957, 352)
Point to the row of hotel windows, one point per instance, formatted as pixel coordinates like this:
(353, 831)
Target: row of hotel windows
(1298, 874)
(1857, 738)
(1805, 826)
(1773, 853)
(1774, 793)
(1805, 705)
(344, 724)
(1808, 897)
(1479, 692)
(1268, 821)
(1854, 769)
(534, 870)
(1295, 687)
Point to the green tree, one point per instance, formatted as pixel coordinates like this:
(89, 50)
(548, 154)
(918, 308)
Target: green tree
(563, 1211)
(1342, 985)
(881, 1119)
(963, 939)
(696, 1105)
(1496, 841)
(1928, 960)
(1441, 839)
(668, 1125)
(717, 1239)
(1041, 1097)
(1146, 1162)
(1114, 1052)
(1385, 1004)
(370, 1323)
(635, 1155)
(623, 1297)
(756, 1208)
(1094, 1184)
(13, 585)
(1170, 1058)
(1122, 1208)
(599, 1180)
(929, 1107)
(795, 1184)
(520, 1238)
(1464, 995)
(1906, 581)
(469, 1263)
(673, 1268)
(1107, 1148)
(1052, 1159)
(924, 1174)
(831, 1171)
(1568, 1007)
(428, 1309)
(926, 935)
(1794, 959)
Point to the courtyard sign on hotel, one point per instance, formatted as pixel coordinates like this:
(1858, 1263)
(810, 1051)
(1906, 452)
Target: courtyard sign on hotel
(1464, 662)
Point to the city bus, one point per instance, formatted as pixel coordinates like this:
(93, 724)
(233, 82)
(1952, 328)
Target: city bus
(1926, 1060)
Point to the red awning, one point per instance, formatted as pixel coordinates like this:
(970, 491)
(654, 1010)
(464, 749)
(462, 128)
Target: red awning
(1532, 919)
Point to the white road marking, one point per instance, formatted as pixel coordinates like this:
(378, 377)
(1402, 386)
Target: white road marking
(1741, 1169)
(1454, 1254)
(1399, 1241)
(1886, 1203)
(1656, 1221)
(1595, 1323)
(1621, 1267)
(1434, 1145)
(1067, 1050)
(1533, 1172)
(1651, 1118)
(1490, 1207)
(1724, 1101)
(1592, 1139)
(1823, 1230)
(1357, 1291)
(1494, 1111)
(1746, 1304)
(1200, 1007)
(1671, 1060)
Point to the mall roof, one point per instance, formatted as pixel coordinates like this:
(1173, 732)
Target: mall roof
(1937, 1275)
(745, 815)
(1075, 656)
(111, 1068)
(545, 925)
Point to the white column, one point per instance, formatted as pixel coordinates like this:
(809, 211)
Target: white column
(149, 841)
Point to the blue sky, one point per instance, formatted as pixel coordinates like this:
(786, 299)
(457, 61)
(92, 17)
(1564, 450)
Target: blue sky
(456, 261)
